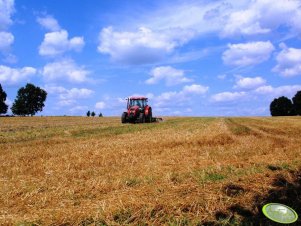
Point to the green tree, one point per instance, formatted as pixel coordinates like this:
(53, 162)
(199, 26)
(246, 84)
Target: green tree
(29, 101)
(93, 114)
(100, 114)
(297, 103)
(3, 106)
(281, 106)
(88, 113)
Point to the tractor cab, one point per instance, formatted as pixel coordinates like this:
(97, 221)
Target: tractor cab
(140, 102)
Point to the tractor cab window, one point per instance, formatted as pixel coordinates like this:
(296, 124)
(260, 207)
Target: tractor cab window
(139, 103)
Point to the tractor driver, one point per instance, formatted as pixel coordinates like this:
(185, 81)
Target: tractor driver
(138, 103)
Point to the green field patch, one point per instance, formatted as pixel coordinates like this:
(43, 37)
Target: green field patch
(30, 133)
(238, 129)
(208, 175)
(132, 181)
(122, 216)
(212, 174)
(112, 130)
(91, 221)
(178, 221)
(134, 128)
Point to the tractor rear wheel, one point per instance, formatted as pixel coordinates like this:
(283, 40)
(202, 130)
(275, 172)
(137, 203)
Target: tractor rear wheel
(123, 117)
(141, 118)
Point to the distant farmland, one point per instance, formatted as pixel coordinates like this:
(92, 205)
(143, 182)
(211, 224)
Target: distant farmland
(183, 171)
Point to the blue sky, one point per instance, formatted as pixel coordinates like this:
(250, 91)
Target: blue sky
(191, 58)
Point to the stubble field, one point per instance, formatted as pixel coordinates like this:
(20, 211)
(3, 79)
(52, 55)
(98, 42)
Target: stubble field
(183, 171)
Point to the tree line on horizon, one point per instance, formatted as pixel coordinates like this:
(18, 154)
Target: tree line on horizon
(30, 100)
(283, 106)
(92, 114)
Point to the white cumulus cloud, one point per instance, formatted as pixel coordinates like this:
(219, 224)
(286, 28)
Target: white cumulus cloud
(10, 75)
(67, 97)
(65, 69)
(172, 76)
(287, 90)
(173, 98)
(6, 10)
(100, 105)
(151, 36)
(57, 42)
(49, 23)
(249, 82)
(76, 93)
(6, 40)
(55, 89)
(9, 102)
(288, 61)
(245, 22)
(142, 46)
(79, 109)
(261, 17)
(245, 54)
(195, 89)
(228, 96)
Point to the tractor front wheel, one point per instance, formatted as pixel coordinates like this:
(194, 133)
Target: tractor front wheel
(149, 117)
(123, 117)
(141, 118)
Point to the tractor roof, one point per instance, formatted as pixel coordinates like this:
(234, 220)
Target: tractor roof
(138, 98)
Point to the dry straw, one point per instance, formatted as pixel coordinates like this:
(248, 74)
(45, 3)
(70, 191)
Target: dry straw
(81, 171)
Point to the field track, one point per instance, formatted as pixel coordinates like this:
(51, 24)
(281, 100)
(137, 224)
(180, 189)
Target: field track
(183, 171)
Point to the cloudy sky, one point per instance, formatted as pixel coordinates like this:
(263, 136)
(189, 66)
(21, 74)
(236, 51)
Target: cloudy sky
(192, 57)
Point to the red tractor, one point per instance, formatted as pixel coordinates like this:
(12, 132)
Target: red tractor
(137, 111)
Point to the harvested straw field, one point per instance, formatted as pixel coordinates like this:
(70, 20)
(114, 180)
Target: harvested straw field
(183, 171)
